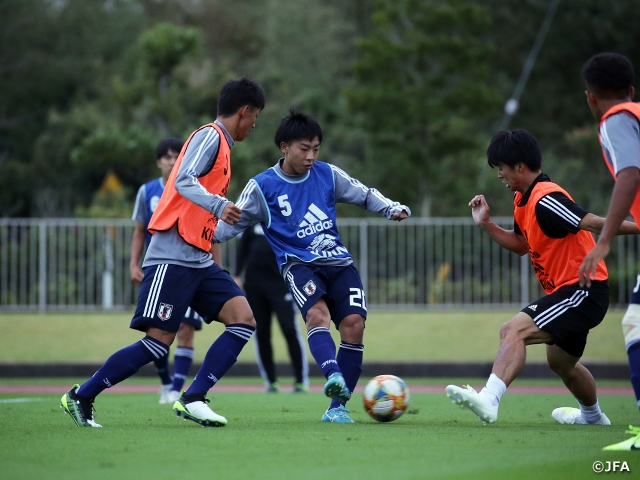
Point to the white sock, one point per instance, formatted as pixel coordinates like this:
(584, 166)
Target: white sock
(591, 414)
(494, 389)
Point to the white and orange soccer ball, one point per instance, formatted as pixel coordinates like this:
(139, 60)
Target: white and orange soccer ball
(385, 397)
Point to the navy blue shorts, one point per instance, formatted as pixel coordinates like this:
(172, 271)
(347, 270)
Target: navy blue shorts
(635, 294)
(192, 318)
(341, 288)
(167, 291)
(569, 313)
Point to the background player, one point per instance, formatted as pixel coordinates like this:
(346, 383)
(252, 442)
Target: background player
(268, 294)
(295, 202)
(178, 269)
(555, 232)
(167, 152)
(609, 78)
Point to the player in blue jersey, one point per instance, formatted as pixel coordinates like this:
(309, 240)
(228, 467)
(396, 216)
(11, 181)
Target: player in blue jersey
(179, 271)
(167, 152)
(295, 202)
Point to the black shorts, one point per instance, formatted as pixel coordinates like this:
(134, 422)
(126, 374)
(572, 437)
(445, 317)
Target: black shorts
(569, 313)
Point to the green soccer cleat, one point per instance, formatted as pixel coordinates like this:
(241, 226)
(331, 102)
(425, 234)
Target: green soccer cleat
(80, 409)
(337, 415)
(337, 388)
(273, 388)
(198, 412)
(300, 388)
(629, 444)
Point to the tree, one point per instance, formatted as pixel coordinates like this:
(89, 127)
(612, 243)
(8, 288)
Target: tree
(422, 91)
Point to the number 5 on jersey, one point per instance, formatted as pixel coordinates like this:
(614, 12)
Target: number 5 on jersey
(283, 202)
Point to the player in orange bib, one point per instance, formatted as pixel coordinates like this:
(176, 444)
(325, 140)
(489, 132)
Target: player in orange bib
(609, 78)
(179, 270)
(556, 233)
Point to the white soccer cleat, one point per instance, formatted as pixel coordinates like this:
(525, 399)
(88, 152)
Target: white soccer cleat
(165, 391)
(198, 412)
(467, 397)
(173, 396)
(573, 416)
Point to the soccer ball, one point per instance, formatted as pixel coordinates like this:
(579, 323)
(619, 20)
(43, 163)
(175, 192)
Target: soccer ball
(385, 398)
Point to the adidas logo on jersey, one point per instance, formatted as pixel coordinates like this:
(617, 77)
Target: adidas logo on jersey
(315, 221)
(533, 307)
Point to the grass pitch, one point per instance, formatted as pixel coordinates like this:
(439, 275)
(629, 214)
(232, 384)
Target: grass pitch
(281, 437)
(405, 336)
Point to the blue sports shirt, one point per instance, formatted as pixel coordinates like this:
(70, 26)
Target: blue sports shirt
(298, 214)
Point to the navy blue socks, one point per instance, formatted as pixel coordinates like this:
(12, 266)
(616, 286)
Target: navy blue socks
(219, 359)
(122, 364)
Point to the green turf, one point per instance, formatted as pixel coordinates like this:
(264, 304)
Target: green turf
(281, 437)
(389, 336)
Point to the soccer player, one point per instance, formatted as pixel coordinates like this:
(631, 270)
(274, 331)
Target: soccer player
(609, 78)
(295, 202)
(167, 152)
(267, 294)
(179, 272)
(555, 232)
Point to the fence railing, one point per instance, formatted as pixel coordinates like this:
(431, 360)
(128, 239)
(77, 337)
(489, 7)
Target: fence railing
(83, 264)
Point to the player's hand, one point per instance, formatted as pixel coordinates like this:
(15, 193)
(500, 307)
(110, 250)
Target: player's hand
(479, 209)
(398, 217)
(230, 214)
(589, 266)
(136, 274)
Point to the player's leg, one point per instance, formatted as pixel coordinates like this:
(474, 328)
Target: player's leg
(307, 286)
(581, 384)
(218, 298)
(161, 366)
(348, 309)
(261, 308)
(184, 353)
(350, 353)
(282, 303)
(631, 331)
(515, 335)
(157, 302)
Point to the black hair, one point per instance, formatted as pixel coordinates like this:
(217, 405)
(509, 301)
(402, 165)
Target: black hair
(297, 126)
(237, 93)
(167, 144)
(510, 147)
(609, 75)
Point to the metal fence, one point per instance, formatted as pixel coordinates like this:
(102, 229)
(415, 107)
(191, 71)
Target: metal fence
(78, 264)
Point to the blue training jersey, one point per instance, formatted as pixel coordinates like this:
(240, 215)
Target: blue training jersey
(152, 193)
(302, 215)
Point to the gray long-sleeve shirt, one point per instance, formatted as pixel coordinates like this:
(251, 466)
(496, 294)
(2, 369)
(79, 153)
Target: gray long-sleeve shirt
(199, 158)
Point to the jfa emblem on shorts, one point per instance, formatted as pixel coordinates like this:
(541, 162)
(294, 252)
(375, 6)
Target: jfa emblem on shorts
(309, 288)
(164, 312)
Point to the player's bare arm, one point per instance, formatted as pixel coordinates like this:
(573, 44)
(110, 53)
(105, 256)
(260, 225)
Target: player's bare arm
(594, 224)
(137, 244)
(624, 191)
(508, 239)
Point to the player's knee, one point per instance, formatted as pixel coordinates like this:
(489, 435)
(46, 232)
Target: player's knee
(353, 327)
(316, 318)
(631, 325)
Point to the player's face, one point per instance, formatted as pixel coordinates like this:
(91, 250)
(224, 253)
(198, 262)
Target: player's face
(299, 155)
(166, 162)
(246, 122)
(510, 176)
